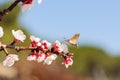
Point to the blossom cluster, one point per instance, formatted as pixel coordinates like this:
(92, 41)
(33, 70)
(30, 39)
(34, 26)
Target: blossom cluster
(42, 50)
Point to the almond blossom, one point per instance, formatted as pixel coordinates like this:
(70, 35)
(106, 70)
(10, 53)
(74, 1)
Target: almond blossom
(45, 45)
(18, 36)
(50, 58)
(27, 4)
(56, 46)
(27, 1)
(1, 32)
(10, 60)
(34, 41)
(64, 49)
(68, 61)
(60, 47)
(40, 57)
(31, 57)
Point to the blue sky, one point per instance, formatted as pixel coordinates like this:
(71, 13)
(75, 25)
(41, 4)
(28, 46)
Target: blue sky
(98, 21)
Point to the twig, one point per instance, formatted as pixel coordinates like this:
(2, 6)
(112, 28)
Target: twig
(17, 48)
(10, 8)
(4, 47)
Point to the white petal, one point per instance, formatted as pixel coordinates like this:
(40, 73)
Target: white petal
(26, 7)
(10, 60)
(38, 44)
(58, 42)
(33, 38)
(41, 58)
(31, 58)
(65, 48)
(53, 56)
(1, 32)
(8, 63)
(49, 45)
(14, 56)
(19, 35)
(50, 58)
(48, 62)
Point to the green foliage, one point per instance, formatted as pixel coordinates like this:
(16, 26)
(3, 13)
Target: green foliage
(9, 23)
(87, 58)
(10, 19)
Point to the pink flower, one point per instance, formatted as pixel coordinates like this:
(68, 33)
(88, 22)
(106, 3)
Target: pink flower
(40, 57)
(30, 1)
(50, 58)
(27, 1)
(56, 46)
(1, 32)
(34, 41)
(10, 60)
(68, 61)
(60, 48)
(64, 48)
(27, 4)
(18, 36)
(32, 57)
(45, 45)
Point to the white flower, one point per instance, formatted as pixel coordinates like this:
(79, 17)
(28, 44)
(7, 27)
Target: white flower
(40, 57)
(64, 48)
(33, 38)
(34, 41)
(60, 47)
(18, 35)
(32, 57)
(68, 61)
(57, 43)
(39, 1)
(46, 44)
(10, 60)
(50, 58)
(39, 44)
(27, 6)
(1, 32)
(57, 46)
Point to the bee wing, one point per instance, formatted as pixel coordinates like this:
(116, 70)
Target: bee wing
(74, 39)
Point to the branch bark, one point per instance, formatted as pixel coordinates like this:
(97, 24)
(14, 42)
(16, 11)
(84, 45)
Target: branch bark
(3, 47)
(10, 8)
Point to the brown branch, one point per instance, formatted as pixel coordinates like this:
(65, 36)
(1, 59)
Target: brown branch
(17, 48)
(3, 47)
(10, 8)
(20, 48)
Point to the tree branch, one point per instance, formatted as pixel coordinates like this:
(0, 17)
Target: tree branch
(3, 47)
(19, 48)
(10, 8)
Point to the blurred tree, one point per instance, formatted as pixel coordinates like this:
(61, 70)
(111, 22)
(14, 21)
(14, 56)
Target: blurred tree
(88, 58)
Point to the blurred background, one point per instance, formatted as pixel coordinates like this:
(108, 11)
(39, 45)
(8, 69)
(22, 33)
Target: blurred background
(98, 54)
